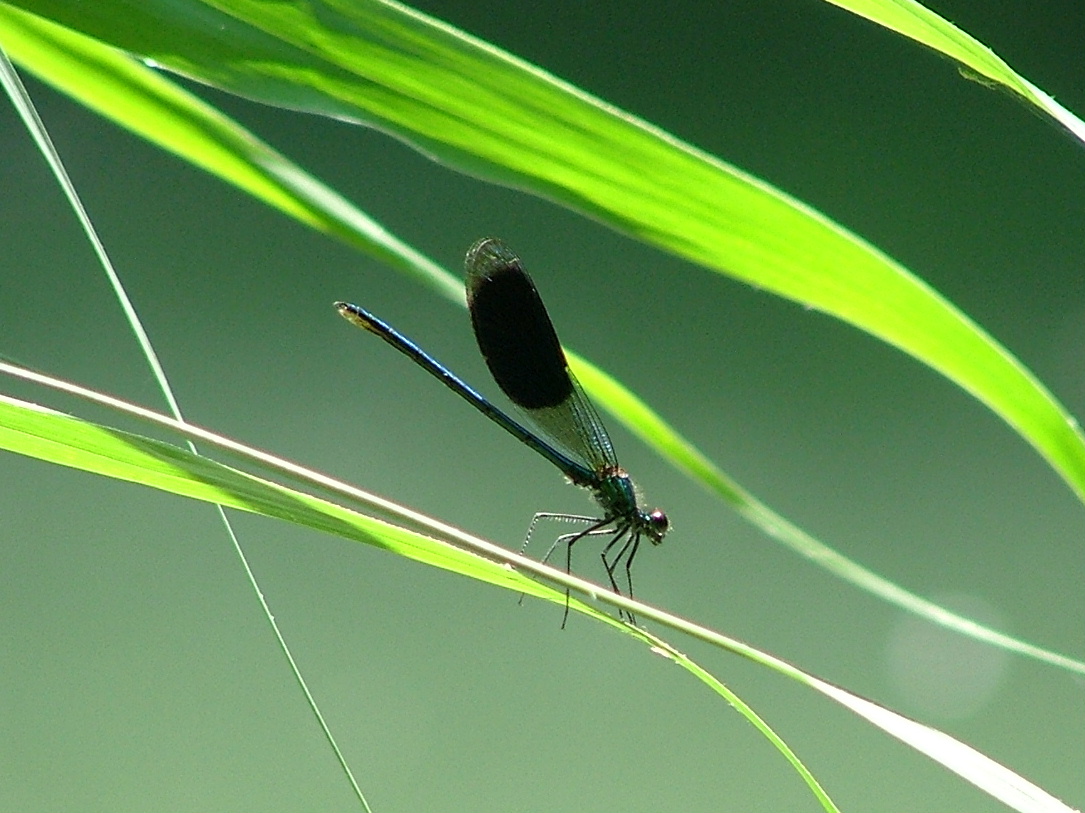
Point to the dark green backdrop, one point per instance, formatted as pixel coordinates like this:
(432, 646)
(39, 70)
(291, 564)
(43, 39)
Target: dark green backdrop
(137, 672)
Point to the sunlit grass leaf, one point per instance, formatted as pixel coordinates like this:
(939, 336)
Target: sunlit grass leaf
(919, 23)
(486, 112)
(41, 433)
(159, 110)
(68, 441)
(153, 106)
(999, 781)
(438, 88)
(989, 776)
(645, 423)
(47, 435)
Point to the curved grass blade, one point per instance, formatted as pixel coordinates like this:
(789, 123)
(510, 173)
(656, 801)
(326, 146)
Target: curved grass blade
(145, 102)
(37, 432)
(647, 424)
(156, 108)
(968, 763)
(919, 23)
(48, 435)
(484, 111)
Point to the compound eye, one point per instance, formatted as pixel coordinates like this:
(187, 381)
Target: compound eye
(658, 525)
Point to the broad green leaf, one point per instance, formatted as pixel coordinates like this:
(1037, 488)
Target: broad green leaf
(150, 105)
(62, 439)
(486, 112)
(1000, 782)
(648, 425)
(142, 100)
(925, 27)
(41, 433)
(47, 435)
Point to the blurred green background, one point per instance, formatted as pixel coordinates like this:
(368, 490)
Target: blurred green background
(138, 672)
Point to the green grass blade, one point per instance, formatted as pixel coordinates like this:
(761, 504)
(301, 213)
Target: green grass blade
(157, 109)
(24, 105)
(46, 435)
(1003, 784)
(919, 23)
(488, 113)
(647, 424)
(723, 691)
(968, 763)
(152, 106)
(37, 432)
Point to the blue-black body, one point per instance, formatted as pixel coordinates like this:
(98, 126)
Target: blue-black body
(522, 351)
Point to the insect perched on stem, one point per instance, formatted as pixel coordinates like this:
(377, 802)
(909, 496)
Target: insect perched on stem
(521, 349)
